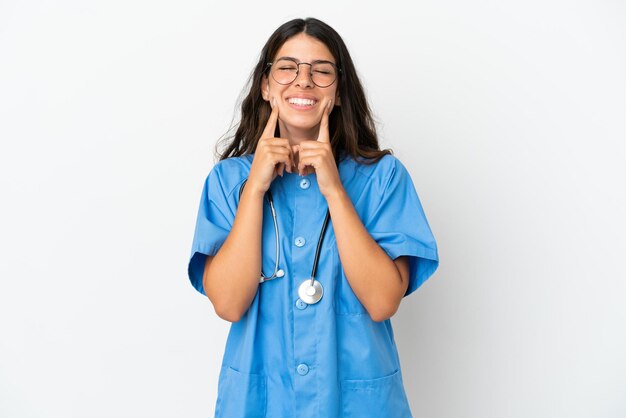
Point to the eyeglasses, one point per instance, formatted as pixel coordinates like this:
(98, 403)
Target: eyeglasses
(286, 70)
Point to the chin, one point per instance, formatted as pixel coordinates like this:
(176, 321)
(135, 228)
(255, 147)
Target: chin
(303, 126)
(302, 122)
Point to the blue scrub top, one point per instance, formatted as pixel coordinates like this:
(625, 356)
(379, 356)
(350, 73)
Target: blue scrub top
(285, 358)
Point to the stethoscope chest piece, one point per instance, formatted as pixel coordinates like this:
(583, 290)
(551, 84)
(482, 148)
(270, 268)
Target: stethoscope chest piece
(310, 291)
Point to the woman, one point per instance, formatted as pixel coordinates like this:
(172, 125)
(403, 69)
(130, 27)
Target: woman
(311, 336)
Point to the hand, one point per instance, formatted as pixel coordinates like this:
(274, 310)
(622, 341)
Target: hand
(271, 156)
(317, 156)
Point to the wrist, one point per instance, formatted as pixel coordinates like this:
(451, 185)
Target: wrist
(253, 191)
(336, 194)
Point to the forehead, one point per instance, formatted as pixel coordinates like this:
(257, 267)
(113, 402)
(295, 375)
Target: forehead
(305, 48)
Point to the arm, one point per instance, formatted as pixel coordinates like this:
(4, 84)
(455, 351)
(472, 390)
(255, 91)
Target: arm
(231, 277)
(377, 281)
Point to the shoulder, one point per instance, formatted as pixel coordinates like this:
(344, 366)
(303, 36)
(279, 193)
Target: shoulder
(378, 174)
(229, 173)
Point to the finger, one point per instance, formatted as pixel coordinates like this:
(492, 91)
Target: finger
(303, 160)
(280, 147)
(302, 165)
(270, 127)
(288, 164)
(324, 135)
(284, 162)
(306, 170)
(280, 167)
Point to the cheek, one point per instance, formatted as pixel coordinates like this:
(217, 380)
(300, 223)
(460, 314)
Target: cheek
(334, 95)
(274, 86)
(276, 90)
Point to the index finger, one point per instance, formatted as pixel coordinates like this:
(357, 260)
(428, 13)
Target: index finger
(324, 134)
(270, 127)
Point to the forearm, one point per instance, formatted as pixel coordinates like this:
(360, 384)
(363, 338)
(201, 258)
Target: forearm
(372, 274)
(232, 278)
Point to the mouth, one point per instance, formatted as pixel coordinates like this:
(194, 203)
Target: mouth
(301, 103)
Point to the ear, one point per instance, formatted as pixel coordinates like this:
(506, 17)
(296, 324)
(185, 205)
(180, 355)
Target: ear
(265, 88)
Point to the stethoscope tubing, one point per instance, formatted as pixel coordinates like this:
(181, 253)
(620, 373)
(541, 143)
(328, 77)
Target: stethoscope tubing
(264, 278)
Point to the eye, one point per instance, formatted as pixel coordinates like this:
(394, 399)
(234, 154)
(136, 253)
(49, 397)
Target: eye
(323, 69)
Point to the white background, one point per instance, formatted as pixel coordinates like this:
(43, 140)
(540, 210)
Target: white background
(510, 117)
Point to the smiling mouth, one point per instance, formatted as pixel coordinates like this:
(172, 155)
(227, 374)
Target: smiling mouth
(301, 103)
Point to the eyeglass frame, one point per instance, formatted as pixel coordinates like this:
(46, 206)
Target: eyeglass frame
(269, 66)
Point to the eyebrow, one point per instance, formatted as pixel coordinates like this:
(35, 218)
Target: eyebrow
(298, 61)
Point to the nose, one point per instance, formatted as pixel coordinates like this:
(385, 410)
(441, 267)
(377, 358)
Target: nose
(303, 79)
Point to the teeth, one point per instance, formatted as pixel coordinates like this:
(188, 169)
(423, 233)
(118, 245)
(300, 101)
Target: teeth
(301, 102)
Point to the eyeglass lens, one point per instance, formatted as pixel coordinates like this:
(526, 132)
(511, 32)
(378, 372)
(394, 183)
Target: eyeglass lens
(285, 71)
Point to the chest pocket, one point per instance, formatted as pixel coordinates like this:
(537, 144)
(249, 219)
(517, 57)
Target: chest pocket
(345, 301)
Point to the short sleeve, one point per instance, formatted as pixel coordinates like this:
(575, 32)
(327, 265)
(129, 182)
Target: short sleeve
(214, 222)
(400, 227)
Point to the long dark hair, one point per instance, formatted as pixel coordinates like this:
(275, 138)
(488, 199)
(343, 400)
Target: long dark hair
(351, 125)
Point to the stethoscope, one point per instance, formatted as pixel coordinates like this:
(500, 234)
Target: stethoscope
(310, 291)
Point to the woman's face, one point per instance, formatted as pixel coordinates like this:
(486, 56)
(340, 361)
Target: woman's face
(300, 103)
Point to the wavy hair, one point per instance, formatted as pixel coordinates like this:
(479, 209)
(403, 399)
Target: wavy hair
(351, 126)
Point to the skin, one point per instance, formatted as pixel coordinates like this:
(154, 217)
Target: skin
(377, 281)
